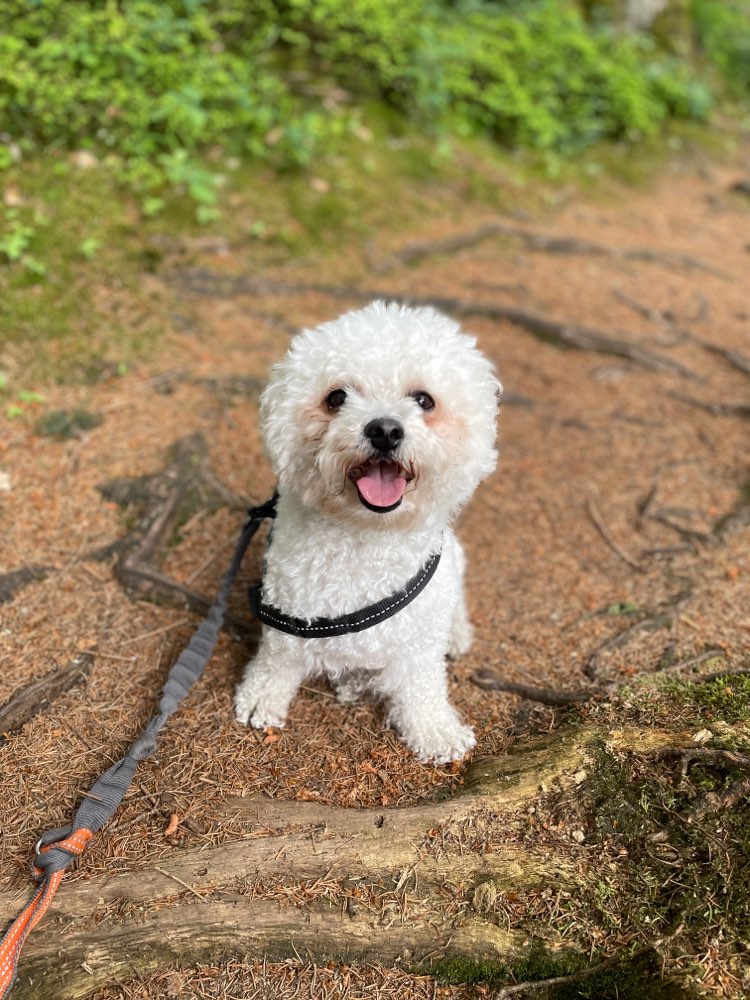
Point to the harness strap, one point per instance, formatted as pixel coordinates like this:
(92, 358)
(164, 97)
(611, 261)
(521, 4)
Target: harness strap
(355, 621)
(57, 849)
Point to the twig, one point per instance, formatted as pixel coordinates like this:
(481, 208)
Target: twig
(616, 548)
(645, 505)
(180, 882)
(38, 695)
(533, 986)
(690, 534)
(156, 631)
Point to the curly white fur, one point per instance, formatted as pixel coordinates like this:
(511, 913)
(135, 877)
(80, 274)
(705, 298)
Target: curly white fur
(330, 554)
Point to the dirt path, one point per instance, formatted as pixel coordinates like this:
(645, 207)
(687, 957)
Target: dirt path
(607, 519)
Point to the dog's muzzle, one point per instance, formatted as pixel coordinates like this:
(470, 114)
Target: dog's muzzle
(380, 484)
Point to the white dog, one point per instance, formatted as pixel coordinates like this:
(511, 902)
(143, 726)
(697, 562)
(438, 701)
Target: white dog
(379, 426)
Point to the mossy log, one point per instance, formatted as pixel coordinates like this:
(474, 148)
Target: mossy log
(310, 879)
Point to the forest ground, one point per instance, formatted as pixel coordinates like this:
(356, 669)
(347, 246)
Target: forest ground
(608, 554)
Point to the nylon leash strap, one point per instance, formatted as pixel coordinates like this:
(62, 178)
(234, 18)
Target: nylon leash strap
(58, 849)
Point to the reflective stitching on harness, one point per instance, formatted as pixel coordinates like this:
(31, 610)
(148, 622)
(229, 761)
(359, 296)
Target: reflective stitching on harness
(355, 621)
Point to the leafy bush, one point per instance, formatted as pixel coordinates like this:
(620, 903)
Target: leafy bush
(546, 81)
(149, 85)
(723, 33)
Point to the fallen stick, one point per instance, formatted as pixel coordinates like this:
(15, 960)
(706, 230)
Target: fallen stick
(38, 695)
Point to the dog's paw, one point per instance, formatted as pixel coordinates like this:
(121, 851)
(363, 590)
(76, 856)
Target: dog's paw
(461, 638)
(249, 711)
(350, 688)
(441, 746)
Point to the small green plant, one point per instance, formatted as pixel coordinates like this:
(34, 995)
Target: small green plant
(16, 236)
(622, 608)
(23, 400)
(64, 424)
(89, 247)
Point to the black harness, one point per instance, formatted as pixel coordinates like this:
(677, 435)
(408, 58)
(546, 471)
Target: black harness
(355, 621)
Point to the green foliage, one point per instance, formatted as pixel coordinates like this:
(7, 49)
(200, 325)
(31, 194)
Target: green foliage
(548, 81)
(16, 235)
(723, 34)
(64, 424)
(622, 608)
(151, 86)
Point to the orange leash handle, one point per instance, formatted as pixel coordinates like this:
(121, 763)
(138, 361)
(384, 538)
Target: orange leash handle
(26, 921)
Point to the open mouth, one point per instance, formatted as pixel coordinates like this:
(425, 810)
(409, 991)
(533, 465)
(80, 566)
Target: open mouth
(380, 484)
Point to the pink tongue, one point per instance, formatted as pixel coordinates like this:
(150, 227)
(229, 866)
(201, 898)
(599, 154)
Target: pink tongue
(382, 486)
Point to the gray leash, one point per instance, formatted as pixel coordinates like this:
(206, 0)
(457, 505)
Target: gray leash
(57, 849)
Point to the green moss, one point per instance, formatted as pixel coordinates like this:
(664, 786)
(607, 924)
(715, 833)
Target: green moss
(537, 964)
(726, 698)
(636, 978)
(64, 424)
(683, 860)
(82, 310)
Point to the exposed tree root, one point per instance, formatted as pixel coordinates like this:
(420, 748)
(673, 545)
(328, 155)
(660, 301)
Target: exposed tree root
(714, 408)
(540, 242)
(649, 624)
(11, 583)
(559, 333)
(327, 882)
(736, 359)
(604, 532)
(165, 500)
(491, 680)
(35, 697)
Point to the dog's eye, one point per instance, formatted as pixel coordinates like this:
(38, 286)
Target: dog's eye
(424, 399)
(335, 399)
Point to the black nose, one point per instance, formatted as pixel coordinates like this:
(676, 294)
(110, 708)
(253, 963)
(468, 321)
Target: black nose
(384, 434)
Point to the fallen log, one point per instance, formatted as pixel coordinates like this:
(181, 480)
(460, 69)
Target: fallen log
(403, 885)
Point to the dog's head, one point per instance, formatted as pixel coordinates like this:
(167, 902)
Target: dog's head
(382, 415)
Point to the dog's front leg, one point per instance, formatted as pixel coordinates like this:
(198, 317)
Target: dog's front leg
(419, 709)
(271, 681)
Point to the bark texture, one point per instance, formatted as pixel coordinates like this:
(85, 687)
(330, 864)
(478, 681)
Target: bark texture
(406, 885)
